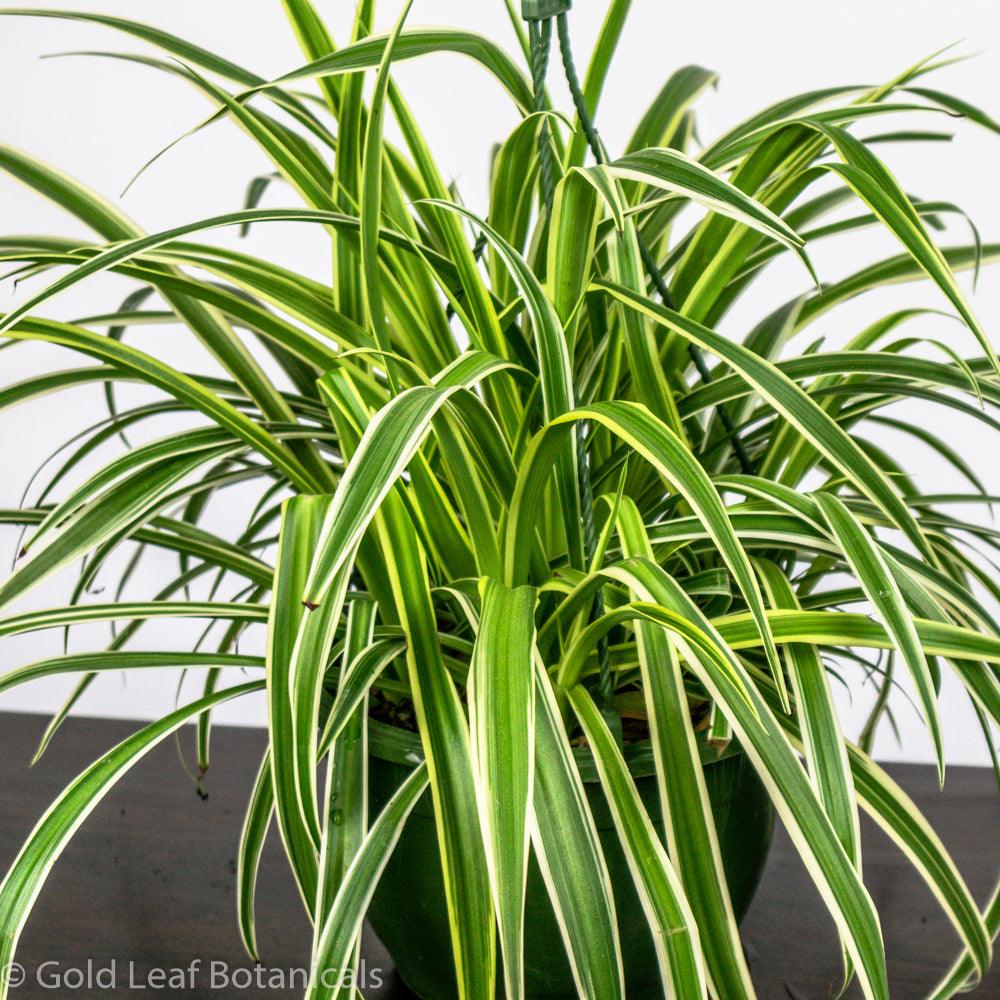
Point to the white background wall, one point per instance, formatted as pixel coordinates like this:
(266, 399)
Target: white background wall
(100, 120)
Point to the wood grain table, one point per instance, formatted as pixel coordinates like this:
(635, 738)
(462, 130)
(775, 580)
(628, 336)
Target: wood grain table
(142, 902)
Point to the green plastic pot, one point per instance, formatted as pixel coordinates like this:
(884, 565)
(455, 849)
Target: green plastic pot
(409, 914)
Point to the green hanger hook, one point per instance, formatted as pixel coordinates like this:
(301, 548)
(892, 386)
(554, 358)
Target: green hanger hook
(541, 10)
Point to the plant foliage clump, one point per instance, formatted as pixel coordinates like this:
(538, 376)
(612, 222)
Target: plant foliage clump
(513, 484)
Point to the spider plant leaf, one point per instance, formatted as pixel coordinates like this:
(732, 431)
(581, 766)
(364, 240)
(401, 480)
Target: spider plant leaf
(34, 862)
(334, 950)
(794, 405)
(90, 208)
(893, 270)
(345, 803)
(126, 250)
(447, 500)
(501, 724)
(824, 745)
(315, 41)
(30, 621)
(112, 512)
(692, 841)
(389, 442)
(875, 577)
(512, 194)
(441, 721)
(445, 737)
(670, 170)
(662, 120)
(555, 370)
(873, 182)
(569, 854)
(899, 817)
(176, 536)
(893, 810)
(297, 643)
(356, 679)
(652, 385)
(210, 327)
(910, 369)
(291, 157)
(823, 739)
(149, 459)
(185, 50)
(371, 195)
(255, 192)
(674, 929)
(651, 438)
(763, 740)
(367, 53)
(962, 977)
(957, 106)
(253, 833)
(842, 628)
(168, 379)
(110, 660)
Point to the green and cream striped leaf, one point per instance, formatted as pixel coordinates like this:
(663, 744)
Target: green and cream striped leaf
(333, 955)
(640, 430)
(692, 841)
(568, 849)
(253, 833)
(35, 860)
(675, 933)
(793, 404)
(873, 573)
(501, 722)
(760, 734)
(345, 801)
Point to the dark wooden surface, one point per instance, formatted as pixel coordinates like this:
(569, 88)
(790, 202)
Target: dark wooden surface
(148, 883)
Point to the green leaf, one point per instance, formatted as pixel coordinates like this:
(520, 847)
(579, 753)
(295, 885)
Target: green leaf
(794, 405)
(962, 975)
(345, 804)
(871, 570)
(445, 737)
(568, 849)
(872, 181)
(824, 744)
(692, 841)
(35, 860)
(642, 432)
(31, 621)
(555, 371)
(414, 42)
(298, 645)
(823, 739)
(333, 954)
(763, 741)
(371, 194)
(357, 677)
(252, 836)
(501, 723)
(155, 372)
(390, 440)
(662, 120)
(675, 933)
(672, 171)
(109, 660)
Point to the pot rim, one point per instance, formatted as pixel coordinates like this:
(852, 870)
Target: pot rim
(403, 746)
